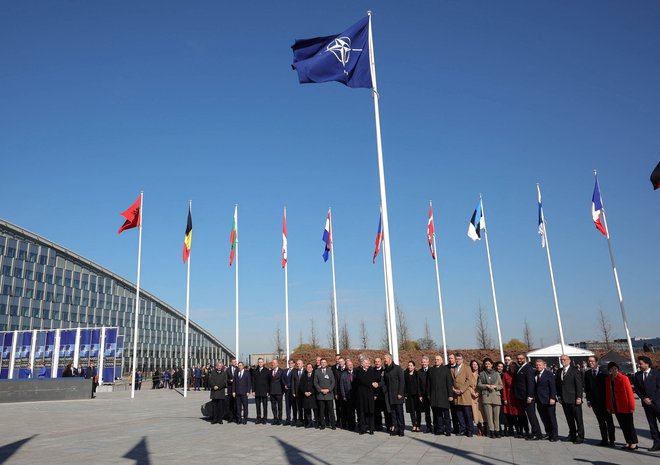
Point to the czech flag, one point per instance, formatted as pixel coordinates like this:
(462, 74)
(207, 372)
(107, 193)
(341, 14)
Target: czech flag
(327, 238)
(597, 208)
(132, 215)
(379, 237)
(430, 231)
(187, 240)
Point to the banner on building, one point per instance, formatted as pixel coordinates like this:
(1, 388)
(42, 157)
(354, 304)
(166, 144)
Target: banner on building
(109, 355)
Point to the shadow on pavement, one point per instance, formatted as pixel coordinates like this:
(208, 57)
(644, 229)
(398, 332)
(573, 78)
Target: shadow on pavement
(464, 454)
(297, 456)
(595, 462)
(139, 453)
(8, 450)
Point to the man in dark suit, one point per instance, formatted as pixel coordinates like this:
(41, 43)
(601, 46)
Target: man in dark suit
(569, 391)
(440, 391)
(324, 385)
(218, 381)
(276, 390)
(347, 397)
(242, 385)
(647, 385)
(546, 399)
(289, 398)
(395, 394)
(424, 388)
(298, 373)
(380, 411)
(524, 389)
(338, 370)
(231, 403)
(260, 385)
(594, 389)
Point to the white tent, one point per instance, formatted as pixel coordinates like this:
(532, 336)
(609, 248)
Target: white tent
(554, 351)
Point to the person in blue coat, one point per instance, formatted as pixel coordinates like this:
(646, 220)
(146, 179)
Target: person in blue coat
(43, 372)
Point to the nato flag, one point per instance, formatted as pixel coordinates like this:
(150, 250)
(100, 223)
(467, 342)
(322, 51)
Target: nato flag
(342, 57)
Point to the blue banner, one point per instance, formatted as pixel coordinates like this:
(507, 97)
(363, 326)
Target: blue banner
(109, 353)
(84, 347)
(22, 368)
(94, 347)
(66, 350)
(6, 355)
(119, 357)
(48, 352)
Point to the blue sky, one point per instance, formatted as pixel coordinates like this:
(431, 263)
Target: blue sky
(197, 101)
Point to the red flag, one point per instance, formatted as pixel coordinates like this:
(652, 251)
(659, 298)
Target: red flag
(132, 215)
(430, 232)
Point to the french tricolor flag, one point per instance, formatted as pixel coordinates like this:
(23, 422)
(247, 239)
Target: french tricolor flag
(327, 238)
(597, 208)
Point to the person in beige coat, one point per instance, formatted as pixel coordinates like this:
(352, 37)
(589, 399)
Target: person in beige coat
(490, 386)
(477, 405)
(463, 388)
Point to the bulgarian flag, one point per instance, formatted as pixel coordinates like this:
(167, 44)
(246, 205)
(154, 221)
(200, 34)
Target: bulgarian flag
(187, 240)
(233, 238)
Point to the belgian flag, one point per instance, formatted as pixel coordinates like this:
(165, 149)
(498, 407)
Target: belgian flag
(187, 240)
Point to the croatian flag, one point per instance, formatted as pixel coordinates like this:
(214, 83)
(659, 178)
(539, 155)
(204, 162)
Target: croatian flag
(430, 232)
(284, 241)
(541, 218)
(327, 238)
(379, 237)
(597, 208)
(477, 223)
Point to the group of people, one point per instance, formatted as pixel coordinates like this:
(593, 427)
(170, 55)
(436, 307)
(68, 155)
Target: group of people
(490, 398)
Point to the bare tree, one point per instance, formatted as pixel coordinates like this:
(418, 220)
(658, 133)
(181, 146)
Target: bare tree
(331, 335)
(344, 337)
(426, 342)
(402, 325)
(484, 341)
(313, 336)
(278, 342)
(364, 336)
(527, 336)
(605, 328)
(385, 341)
(301, 339)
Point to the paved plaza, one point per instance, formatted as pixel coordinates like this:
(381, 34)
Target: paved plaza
(161, 427)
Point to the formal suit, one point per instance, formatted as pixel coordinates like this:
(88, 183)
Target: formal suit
(218, 381)
(324, 378)
(346, 397)
(242, 385)
(276, 390)
(546, 390)
(647, 386)
(231, 373)
(289, 397)
(594, 389)
(424, 405)
(380, 405)
(339, 405)
(306, 393)
(260, 386)
(569, 389)
(295, 391)
(395, 396)
(440, 385)
(524, 387)
(364, 394)
(464, 382)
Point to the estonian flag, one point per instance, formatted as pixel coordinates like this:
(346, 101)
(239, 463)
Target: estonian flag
(477, 223)
(340, 57)
(541, 218)
(655, 177)
(597, 208)
(187, 240)
(327, 238)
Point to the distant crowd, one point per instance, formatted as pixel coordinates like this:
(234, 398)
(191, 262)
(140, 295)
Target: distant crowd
(486, 398)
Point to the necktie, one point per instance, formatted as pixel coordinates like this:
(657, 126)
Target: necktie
(323, 371)
(595, 372)
(350, 377)
(240, 375)
(645, 373)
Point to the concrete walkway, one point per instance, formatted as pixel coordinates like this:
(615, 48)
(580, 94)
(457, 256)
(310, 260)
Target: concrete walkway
(161, 427)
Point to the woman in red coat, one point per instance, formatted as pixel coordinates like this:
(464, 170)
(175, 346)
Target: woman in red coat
(513, 408)
(620, 401)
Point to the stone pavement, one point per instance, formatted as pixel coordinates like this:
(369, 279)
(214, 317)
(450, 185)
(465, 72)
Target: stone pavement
(161, 427)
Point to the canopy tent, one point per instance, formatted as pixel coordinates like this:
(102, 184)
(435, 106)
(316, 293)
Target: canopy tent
(625, 365)
(554, 351)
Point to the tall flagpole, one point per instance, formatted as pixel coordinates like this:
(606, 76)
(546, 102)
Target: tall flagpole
(137, 300)
(286, 293)
(238, 354)
(383, 200)
(334, 285)
(618, 286)
(492, 281)
(387, 301)
(437, 281)
(185, 362)
(552, 280)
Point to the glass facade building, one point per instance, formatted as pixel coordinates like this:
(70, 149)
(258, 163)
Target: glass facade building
(45, 286)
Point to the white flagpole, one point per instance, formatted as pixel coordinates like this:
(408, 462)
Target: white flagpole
(437, 281)
(236, 259)
(492, 281)
(286, 292)
(383, 200)
(334, 285)
(552, 280)
(387, 301)
(618, 286)
(185, 362)
(137, 300)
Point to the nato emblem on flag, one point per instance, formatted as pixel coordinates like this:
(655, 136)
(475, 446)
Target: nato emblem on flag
(341, 57)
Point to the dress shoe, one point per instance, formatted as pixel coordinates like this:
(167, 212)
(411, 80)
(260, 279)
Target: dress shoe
(447, 433)
(392, 433)
(333, 427)
(656, 447)
(214, 422)
(361, 433)
(578, 441)
(633, 449)
(532, 438)
(553, 439)
(401, 433)
(371, 432)
(603, 444)
(468, 434)
(568, 439)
